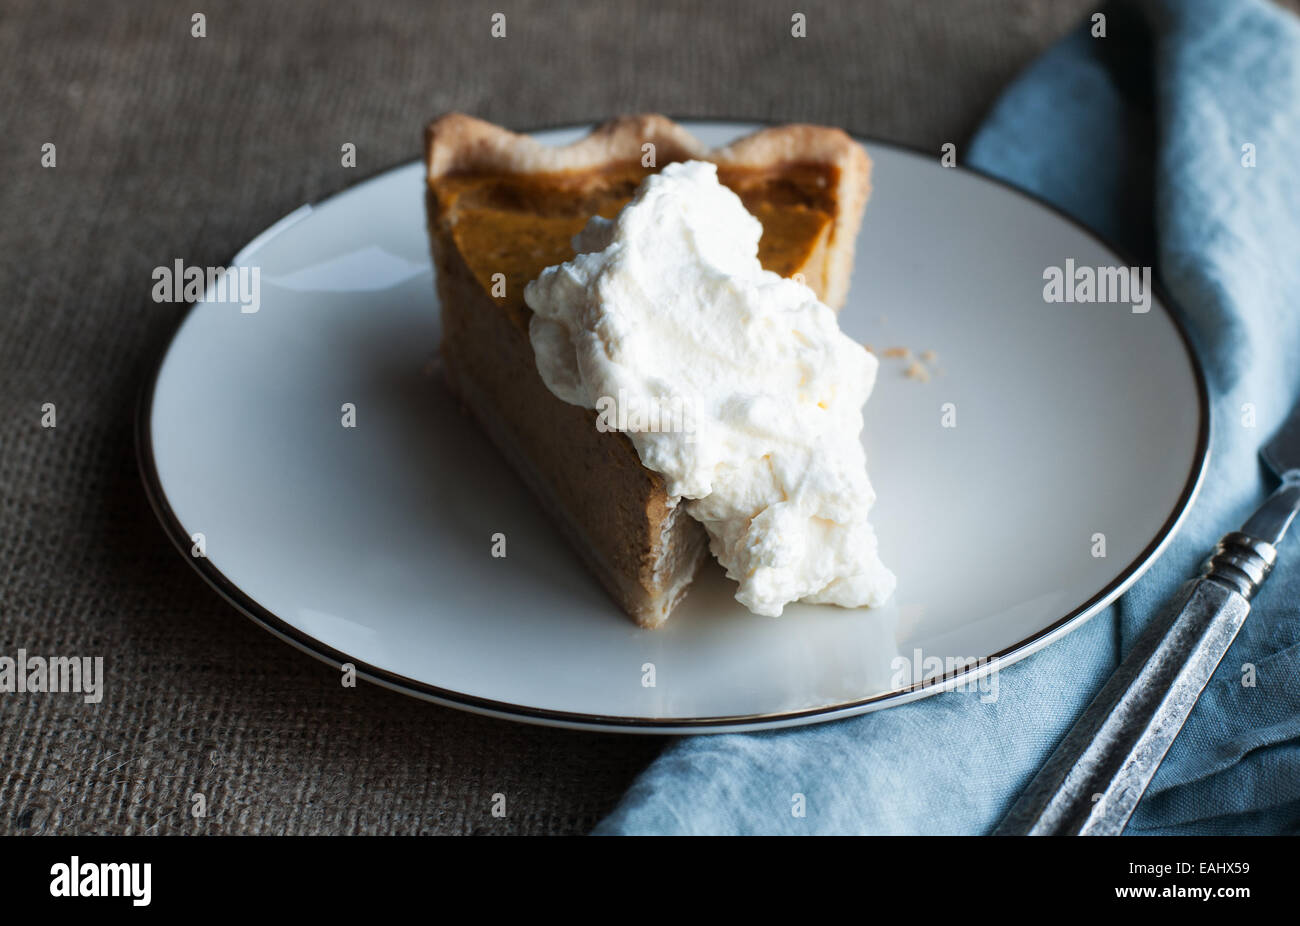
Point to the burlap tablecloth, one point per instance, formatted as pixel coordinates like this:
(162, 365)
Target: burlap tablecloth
(175, 147)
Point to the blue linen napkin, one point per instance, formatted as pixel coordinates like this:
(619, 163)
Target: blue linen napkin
(1139, 134)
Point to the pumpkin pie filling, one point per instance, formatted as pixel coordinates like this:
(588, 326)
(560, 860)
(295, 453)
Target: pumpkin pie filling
(518, 225)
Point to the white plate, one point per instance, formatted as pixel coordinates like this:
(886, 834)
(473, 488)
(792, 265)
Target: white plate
(372, 545)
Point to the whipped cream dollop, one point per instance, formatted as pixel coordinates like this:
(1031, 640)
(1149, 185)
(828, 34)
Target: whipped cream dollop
(734, 383)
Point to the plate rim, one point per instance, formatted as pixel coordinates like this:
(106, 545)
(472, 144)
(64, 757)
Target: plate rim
(1072, 620)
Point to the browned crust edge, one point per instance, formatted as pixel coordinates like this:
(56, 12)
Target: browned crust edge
(457, 143)
(818, 144)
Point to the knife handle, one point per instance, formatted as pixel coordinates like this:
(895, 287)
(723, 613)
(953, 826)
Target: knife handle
(1094, 779)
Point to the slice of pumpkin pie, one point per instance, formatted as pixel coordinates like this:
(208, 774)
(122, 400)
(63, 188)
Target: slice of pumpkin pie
(502, 208)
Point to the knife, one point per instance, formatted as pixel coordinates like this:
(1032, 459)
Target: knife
(1093, 781)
